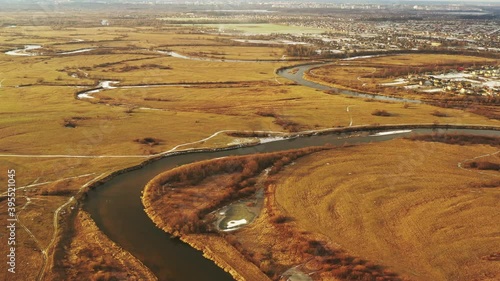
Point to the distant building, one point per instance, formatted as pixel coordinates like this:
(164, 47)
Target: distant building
(104, 22)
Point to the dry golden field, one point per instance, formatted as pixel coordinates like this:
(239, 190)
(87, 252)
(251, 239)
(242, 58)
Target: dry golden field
(403, 204)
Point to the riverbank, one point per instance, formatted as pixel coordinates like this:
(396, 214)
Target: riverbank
(91, 255)
(180, 202)
(225, 256)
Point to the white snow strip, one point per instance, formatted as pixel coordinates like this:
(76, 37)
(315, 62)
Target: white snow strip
(236, 223)
(412, 86)
(149, 108)
(24, 52)
(390, 133)
(107, 84)
(361, 57)
(87, 95)
(393, 83)
(437, 90)
(451, 75)
(492, 84)
(75, 51)
(270, 139)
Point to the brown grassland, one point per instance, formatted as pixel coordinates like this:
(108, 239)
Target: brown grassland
(40, 116)
(423, 216)
(353, 221)
(180, 201)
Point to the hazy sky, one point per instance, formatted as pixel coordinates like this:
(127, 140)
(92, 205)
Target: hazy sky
(242, 1)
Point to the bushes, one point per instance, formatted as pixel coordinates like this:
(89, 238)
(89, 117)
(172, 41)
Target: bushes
(483, 165)
(379, 112)
(148, 141)
(128, 68)
(69, 123)
(438, 113)
(288, 125)
(300, 51)
(281, 219)
(266, 113)
(248, 134)
(460, 139)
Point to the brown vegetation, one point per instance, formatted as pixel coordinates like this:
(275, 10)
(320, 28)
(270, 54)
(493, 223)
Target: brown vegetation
(481, 105)
(128, 68)
(487, 184)
(438, 113)
(284, 122)
(404, 219)
(248, 134)
(180, 199)
(492, 257)
(69, 123)
(379, 112)
(149, 141)
(297, 246)
(482, 165)
(461, 139)
(300, 51)
(87, 254)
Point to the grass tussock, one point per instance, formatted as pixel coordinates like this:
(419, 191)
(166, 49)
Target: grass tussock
(379, 112)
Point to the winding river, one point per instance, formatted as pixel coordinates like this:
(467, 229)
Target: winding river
(117, 209)
(296, 73)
